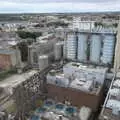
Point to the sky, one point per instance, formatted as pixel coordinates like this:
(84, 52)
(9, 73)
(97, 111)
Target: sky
(58, 6)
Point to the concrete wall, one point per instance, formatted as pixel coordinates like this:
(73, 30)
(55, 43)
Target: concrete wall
(117, 51)
(13, 58)
(77, 98)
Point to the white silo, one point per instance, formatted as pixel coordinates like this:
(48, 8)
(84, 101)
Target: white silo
(58, 50)
(71, 46)
(108, 49)
(95, 48)
(65, 47)
(82, 47)
(43, 62)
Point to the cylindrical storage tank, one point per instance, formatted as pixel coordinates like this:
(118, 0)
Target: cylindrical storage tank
(65, 49)
(58, 50)
(82, 47)
(95, 48)
(71, 46)
(43, 62)
(108, 49)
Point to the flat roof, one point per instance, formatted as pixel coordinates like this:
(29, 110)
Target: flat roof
(108, 114)
(112, 102)
(16, 79)
(68, 30)
(86, 67)
(6, 51)
(60, 74)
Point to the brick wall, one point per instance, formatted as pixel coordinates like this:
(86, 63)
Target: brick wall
(77, 97)
(5, 61)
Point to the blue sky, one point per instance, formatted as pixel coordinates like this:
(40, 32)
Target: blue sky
(48, 6)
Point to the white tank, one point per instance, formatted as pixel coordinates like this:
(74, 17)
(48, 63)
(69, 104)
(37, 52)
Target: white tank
(65, 49)
(108, 49)
(71, 46)
(84, 113)
(43, 62)
(82, 47)
(95, 48)
(58, 50)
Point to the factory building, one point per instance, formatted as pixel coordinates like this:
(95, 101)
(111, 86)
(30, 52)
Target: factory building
(10, 55)
(58, 50)
(85, 72)
(90, 47)
(47, 49)
(77, 83)
(43, 62)
(38, 49)
(83, 25)
(98, 45)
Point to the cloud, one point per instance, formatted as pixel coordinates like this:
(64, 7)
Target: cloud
(61, 1)
(19, 6)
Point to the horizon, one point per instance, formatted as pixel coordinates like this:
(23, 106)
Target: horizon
(100, 12)
(58, 6)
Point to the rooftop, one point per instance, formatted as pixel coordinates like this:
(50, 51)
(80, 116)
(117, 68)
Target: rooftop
(108, 115)
(111, 111)
(52, 110)
(58, 78)
(16, 79)
(86, 67)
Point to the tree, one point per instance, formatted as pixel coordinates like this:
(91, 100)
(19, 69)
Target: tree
(0, 29)
(24, 50)
(26, 34)
(96, 24)
(115, 25)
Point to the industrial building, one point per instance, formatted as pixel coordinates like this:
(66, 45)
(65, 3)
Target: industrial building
(58, 50)
(83, 25)
(10, 55)
(45, 50)
(8, 58)
(111, 107)
(97, 43)
(117, 51)
(90, 47)
(60, 111)
(77, 83)
(87, 72)
(71, 84)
